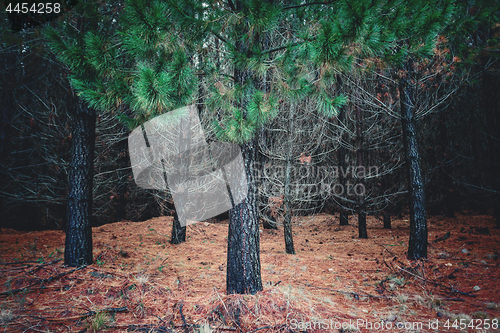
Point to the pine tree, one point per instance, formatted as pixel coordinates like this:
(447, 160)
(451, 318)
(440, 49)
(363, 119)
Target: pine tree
(415, 28)
(421, 37)
(78, 246)
(247, 55)
(131, 69)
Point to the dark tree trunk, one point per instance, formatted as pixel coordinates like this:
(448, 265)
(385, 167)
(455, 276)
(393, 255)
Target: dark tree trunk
(360, 175)
(9, 79)
(78, 248)
(287, 200)
(269, 222)
(243, 246)
(243, 241)
(490, 87)
(496, 214)
(123, 173)
(178, 231)
(386, 213)
(387, 220)
(450, 200)
(342, 166)
(417, 247)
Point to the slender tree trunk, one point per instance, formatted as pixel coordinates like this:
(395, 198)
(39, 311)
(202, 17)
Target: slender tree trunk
(342, 167)
(360, 175)
(78, 248)
(496, 214)
(9, 78)
(123, 172)
(417, 247)
(450, 201)
(490, 87)
(386, 213)
(178, 231)
(387, 220)
(287, 205)
(269, 220)
(243, 246)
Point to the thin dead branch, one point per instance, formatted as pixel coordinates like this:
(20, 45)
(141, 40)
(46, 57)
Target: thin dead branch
(47, 280)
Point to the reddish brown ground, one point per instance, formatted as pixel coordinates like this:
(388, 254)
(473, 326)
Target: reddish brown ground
(333, 279)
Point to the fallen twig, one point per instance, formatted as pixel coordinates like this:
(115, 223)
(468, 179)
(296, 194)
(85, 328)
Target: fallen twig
(437, 283)
(442, 238)
(90, 313)
(229, 313)
(186, 326)
(19, 262)
(143, 328)
(161, 329)
(50, 279)
(42, 265)
(347, 292)
(262, 328)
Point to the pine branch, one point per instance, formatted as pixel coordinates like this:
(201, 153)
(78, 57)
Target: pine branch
(279, 48)
(225, 41)
(309, 4)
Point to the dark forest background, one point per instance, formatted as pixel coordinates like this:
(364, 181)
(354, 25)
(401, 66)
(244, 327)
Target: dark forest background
(458, 93)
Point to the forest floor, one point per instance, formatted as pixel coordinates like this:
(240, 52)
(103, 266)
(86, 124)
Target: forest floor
(335, 283)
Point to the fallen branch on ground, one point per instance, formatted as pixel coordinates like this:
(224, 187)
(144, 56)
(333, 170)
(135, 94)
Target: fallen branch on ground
(42, 265)
(437, 283)
(91, 313)
(347, 292)
(47, 280)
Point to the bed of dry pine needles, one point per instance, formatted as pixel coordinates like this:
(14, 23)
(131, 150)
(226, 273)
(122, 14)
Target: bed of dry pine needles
(139, 282)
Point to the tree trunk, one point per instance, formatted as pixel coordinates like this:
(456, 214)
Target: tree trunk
(78, 248)
(287, 205)
(243, 241)
(269, 222)
(417, 247)
(496, 214)
(123, 173)
(387, 220)
(450, 199)
(386, 213)
(360, 175)
(178, 231)
(342, 167)
(490, 87)
(243, 246)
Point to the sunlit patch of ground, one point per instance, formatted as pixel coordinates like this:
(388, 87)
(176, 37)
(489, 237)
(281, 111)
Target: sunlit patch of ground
(140, 282)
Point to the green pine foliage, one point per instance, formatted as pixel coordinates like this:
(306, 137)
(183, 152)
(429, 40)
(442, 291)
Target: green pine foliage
(152, 57)
(136, 65)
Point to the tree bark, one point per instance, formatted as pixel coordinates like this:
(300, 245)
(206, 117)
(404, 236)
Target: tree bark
(342, 165)
(78, 247)
(496, 214)
(178, 231)
(417, 247)
(360, 175)
(243, 246)
(287, 205)
(386, 213)
(123, 172)
(387, 220)
(243, 241)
